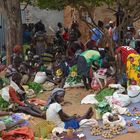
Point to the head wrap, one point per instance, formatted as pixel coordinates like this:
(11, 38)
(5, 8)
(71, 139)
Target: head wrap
(17, 49)
(55, 92)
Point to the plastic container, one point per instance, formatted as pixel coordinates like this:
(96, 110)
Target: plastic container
(40, 77)
(133, 92)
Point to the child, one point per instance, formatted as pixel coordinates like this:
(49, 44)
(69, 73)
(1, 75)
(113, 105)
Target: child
(55, 113)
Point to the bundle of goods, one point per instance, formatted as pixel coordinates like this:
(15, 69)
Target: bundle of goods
(48, 86)
(101, 108)
(103, 93)
(3, 104)
(73, 79)
(100, 79)
(113, 119)
(134, 93)
(35, 86)
(40, 77)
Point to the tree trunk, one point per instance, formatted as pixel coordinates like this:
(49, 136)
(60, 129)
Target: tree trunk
(12, 13)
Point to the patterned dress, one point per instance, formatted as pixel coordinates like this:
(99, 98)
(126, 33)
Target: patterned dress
(133, 69)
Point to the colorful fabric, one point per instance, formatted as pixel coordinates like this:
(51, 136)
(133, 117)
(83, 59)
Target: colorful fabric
(23, 133)
(133, 69)
(14, 96)
(90, 56)
(125, 52)
(73, 123)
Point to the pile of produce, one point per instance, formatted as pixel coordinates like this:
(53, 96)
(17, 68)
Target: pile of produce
(103, 93)
(3, 104)
(113, 118)
(35, 86)
(106, 130)
(73, 78)
(103, 107)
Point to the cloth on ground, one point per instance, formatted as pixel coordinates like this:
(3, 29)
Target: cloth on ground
(22, 133)
(37, 101)
(89, 99)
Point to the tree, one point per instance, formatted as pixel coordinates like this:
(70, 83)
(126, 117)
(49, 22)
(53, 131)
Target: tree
(127, 12)
(11, 11)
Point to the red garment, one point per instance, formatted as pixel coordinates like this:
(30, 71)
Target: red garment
(66, 36)
(14, 97)
(23, 133)
(125, 51)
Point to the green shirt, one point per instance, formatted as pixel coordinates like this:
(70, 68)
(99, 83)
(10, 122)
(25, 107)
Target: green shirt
(90, 56)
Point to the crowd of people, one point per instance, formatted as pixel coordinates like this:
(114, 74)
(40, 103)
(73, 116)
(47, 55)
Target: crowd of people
(100, 56)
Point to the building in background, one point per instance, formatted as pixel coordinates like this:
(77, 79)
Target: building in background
(50, 18)
(2, 32)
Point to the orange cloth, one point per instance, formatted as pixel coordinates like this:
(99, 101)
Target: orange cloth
(23, 133)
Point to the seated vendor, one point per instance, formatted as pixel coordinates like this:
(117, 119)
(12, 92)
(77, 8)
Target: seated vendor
(56, 115)
(4, 126)
(60, 69)
(11, 69)
(18, 99)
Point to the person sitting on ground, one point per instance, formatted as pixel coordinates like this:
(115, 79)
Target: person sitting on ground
(18, 98)
(122, 54)
(84, 64)
(60, 69)
(4, 126)
(56, 115)
(11, 69)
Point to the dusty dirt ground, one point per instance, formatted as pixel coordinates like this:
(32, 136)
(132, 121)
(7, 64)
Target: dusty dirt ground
(72, 105)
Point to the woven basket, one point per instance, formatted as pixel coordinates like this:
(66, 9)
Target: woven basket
(43, 129)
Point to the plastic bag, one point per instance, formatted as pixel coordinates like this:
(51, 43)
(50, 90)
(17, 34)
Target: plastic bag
(120, 122)
(5, 94)
(123, 100)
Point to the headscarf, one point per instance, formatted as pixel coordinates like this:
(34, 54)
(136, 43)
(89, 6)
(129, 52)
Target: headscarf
(55, 92)
(17, 49)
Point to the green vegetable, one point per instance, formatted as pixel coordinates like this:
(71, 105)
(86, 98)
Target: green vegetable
(3, 103)
(103, 93)
(103, 107)
(35, 86)
(73, 80)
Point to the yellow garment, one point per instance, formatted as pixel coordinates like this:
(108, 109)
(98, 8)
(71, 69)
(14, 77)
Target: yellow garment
(133, 69)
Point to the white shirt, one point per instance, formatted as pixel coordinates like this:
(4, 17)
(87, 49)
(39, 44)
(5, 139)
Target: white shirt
(53, 116)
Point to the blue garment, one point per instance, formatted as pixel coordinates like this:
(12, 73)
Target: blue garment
(97, 34)
(73, 123)
(26, 37)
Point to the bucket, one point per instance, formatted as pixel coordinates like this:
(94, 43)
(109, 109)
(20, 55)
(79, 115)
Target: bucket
(133, 92)
(40, 77)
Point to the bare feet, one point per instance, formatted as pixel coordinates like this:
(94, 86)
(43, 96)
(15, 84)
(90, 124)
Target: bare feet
(89, 113)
